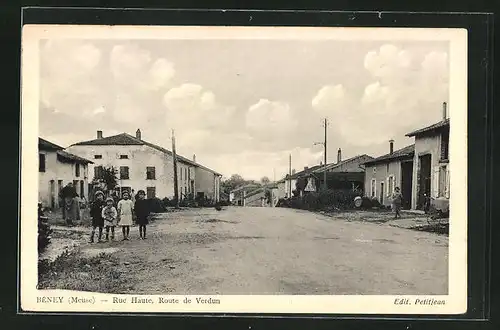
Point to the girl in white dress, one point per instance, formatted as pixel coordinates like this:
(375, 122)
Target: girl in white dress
(125, 209)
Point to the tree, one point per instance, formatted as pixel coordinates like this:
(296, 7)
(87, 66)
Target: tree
(106, 178)
(232, 183)
(265, 180)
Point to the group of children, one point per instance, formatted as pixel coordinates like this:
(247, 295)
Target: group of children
(106, 216)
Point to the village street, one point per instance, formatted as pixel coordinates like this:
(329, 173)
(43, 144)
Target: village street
(245, 250)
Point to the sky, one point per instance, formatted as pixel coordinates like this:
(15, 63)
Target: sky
(243, 106)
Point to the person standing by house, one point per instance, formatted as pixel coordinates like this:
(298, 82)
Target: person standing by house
(142, 211)
(70, 206)
(96, 214)
(397, 200)
(125, 213)
(110, 216)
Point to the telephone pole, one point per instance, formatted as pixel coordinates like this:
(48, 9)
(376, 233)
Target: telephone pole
(176, 187)
(290, 176)
(325, 154)
(324, 174)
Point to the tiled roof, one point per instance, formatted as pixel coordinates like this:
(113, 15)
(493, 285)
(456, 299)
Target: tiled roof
(442, 123)
(72, 158)
(250, 185)
(343, 162)
(401, 153)
(255, 192)
(46, 145)
(127, 139)
(303, 172)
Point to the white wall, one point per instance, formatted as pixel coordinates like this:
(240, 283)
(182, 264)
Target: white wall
(59, 171)
(139, 158)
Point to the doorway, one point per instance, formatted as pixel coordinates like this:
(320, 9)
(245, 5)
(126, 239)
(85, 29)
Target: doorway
(424, 181)
(382, 193)
(406, 183)
(52, 194)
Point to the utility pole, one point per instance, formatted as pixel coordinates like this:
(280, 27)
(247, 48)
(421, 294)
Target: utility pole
(290, 176)
(176, 187)
(324, 174)
(325, 154)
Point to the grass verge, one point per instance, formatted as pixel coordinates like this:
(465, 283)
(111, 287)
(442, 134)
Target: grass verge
(71, 271)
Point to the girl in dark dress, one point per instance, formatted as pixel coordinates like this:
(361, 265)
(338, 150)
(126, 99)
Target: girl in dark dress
(96, 214)
(142, 211)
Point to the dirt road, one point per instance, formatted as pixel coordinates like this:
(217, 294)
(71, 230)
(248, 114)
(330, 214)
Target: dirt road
(277, 251)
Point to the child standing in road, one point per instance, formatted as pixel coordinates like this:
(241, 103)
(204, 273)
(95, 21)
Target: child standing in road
(109, 215)
(96, 214)
(142, 212)
(125, 212)
(397, 200)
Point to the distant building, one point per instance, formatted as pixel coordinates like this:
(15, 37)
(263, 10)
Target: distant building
(383, 174)
(144, 165)
(431, 175)
(237, 196)
(57, 168)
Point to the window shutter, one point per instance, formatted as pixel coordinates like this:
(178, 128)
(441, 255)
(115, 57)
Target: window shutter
(447, 183)
(387, 188)
(435, 182)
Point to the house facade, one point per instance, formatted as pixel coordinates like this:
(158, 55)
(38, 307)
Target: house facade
(57, 168)
(383, 174)
(146, 166)
(431, 175)
(238, 195)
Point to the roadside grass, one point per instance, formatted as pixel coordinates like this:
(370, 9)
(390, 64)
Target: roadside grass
(72, 271)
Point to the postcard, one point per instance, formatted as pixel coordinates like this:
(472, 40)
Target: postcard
(223, 169)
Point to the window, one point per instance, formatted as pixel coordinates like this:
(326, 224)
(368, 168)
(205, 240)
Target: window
(98, 172)
(41, 162)
(185, 173)
(75, 184)
(77, 170)
(150, 192)
(150, 173)
(390, 185)
(445, 140)
(97, 156)
(442, 189)
(181, 173)
(124, 173)
(387, 168)
(59, 186)
(373, 188)
(189, 175)
(374, 170)
(123, 156)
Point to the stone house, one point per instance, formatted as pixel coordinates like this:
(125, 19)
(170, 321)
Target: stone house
(394, 169)
(144, 165)
(57, 168)
(237, 196)
(431, 175)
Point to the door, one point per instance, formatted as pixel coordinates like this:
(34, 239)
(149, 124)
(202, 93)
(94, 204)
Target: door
(52, 189)
(381, 193)
(406, 183)
(424, 180)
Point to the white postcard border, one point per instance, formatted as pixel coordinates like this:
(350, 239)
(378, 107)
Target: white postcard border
(455, 301)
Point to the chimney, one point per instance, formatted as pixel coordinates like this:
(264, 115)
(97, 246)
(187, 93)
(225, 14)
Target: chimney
(194, 158)
(99, 134)
(306, 168)
(138, 134)
(444, 111)
(293, 171)
(391, 146)
(339, 155)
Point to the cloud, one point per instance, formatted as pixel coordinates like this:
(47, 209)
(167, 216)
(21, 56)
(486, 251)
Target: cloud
(194, 107)
(266, 120)
(406, 93)
(133, 68)
(68, 75)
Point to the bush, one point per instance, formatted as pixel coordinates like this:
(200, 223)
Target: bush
(44, 230)
(156, 205)
(337, 198)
